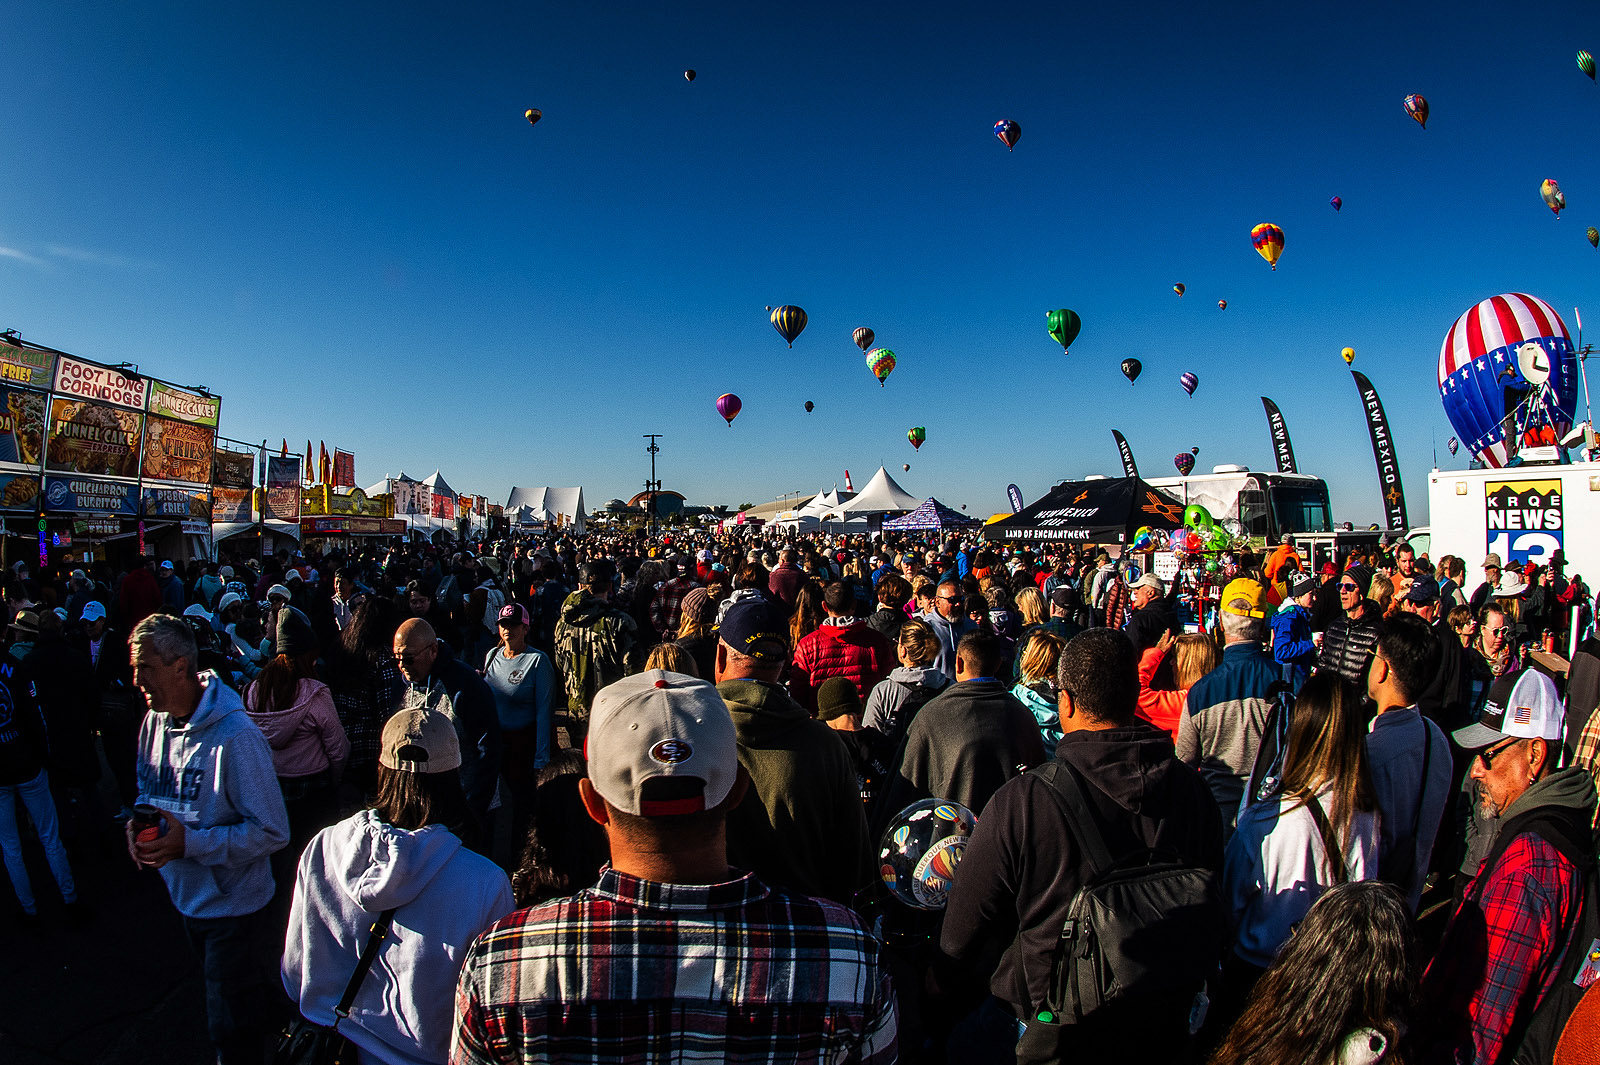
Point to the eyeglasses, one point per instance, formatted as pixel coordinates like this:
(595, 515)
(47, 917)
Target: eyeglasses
(950, 598)
(1500, 631)
(411, 658)
(1489, 755)
(1346, 586)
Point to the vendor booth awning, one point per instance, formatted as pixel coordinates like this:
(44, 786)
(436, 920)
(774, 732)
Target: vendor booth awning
(930, 516)
(1105, 511)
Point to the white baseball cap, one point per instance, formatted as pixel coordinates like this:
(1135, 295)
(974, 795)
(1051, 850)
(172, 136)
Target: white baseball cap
(419, 740)
(661, 743)
(1522, 705)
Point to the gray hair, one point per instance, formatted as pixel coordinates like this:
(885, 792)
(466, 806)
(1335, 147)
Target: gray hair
(1237, 629)
(168, 635)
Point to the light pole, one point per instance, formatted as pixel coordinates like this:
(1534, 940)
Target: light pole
(653, 485)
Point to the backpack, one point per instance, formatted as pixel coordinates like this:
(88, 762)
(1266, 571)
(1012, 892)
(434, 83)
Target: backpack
(1143, 934)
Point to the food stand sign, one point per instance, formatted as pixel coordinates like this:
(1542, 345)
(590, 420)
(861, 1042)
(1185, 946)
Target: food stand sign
(21, 425)
(85, 380)
(184, 504)
(24, 366)
(178, 451)
(93, 438)
(184, 406)
(88, 495)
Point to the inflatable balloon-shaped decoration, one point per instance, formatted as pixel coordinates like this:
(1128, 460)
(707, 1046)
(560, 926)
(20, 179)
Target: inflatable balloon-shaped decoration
(863, 337)
(810, 406)
(1008, 132)
(1586, 64)
(1193, 542)
(1452, 444)
(1594, 236)
(1268, 241)
(1064, 326)
(1175, 539)
(1222, 305)
(1234, 528)
(1143, 538)
(916, 435)
(1178, 288)
(920, 849)
(789, 321)
(1336, 203)
(533, 115)
(1483, 367)
(1184, 461)
(1417, 107)
(1550, 193)
(728, 406)
(1217, 539)
(1348, 355)
(688, 75)
(881, 362)
(1189, 382)
(1131, 369)
(1196, 516)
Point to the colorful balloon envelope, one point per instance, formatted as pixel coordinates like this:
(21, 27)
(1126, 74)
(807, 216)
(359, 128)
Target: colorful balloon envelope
(789, 321)
(1222, 305)
(1336, 203)
(1189, 382)
(1586, 64)
(1178, 288)
(533, 115)
(1481, 380)
(1008, 132)
(917, 436)
(728, 406)
(1184, 462)
(1131, 369)
(810, 406)
(688, 75)
(1550, 193)
(1268, 241)
(1594, 236)
(881, 362)
(864, 337)
(1417, 107)
(1348, 355)
(1064, 326)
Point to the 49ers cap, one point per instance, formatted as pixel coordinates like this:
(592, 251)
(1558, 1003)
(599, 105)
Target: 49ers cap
(661, 743)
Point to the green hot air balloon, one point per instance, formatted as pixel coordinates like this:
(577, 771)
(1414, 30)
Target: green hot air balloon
(1586, 64)
(1064, 326)
(1594, 236)
(916, 436)
(881, 362)
(789, 322)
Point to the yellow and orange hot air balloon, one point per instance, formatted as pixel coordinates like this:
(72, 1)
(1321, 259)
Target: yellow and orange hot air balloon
(1268, 241)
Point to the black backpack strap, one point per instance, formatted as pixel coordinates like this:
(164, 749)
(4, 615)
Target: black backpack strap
(369, 954)
(1330, 842)
(1064, 785)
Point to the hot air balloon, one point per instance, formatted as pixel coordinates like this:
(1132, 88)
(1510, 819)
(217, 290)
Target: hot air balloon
(728, 406)
(1008, 132)
(1064, 326)
(881, 362)
(810, 406)
(1178, 288)
(1417, 108)
(1222, 305)
(1452, 444)
(1189, 382)
(1550, 192)
(863, 337)
(1268, 240)
(1594, 236)
(1586, 64)
(1194, 451)
(688, 75)
(533, 115)
(917, 436)
(1348, 355)
(1131, 369)
(789, 321)
(1481, 380)
(906, 466)
(1184, 461)
(1336, 203)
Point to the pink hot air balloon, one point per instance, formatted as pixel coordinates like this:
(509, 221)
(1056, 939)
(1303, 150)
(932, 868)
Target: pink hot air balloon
(728, 406)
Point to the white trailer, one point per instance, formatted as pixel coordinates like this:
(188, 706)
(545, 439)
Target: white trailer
(1523, 514)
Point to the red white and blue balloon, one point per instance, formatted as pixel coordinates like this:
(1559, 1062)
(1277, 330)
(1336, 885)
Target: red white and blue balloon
(1481, 383)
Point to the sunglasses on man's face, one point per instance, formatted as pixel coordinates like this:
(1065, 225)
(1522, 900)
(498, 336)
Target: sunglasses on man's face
(1498, 631)
(1490, 754)
(1346, 586)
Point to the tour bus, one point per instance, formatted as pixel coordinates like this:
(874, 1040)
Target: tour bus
(1270, 506)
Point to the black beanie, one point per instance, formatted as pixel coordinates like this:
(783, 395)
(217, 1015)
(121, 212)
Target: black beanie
(295, 635)
(836, 697)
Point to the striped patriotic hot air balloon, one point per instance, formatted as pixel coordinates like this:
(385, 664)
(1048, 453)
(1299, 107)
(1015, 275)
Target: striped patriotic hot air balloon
(1480, 381)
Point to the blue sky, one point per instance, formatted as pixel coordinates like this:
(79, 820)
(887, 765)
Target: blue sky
(335, 216)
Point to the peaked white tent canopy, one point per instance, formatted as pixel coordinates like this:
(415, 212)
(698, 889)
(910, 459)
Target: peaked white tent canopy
(881, 496)
(557, 506)
(437, 484)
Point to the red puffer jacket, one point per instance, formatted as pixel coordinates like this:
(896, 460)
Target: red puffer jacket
(856, 651)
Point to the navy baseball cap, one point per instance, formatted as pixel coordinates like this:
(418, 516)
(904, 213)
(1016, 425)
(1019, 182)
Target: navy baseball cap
(752, 627)
(1424, 589)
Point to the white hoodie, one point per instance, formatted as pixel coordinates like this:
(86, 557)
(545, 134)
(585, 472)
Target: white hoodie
(443, 894)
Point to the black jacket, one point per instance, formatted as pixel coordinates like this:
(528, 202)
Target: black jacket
(65, 688)
(1024, 864)
(1347, 645)
(24, 740)
(1445, 698)
(887, 622)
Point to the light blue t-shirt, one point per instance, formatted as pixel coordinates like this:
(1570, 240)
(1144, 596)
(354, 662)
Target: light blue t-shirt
(523, 689)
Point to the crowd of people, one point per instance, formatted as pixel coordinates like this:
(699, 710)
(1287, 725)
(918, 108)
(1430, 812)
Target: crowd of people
(625, 799)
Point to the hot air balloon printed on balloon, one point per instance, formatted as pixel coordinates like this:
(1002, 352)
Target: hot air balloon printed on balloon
(1336, 203)
(881, 362)
(1268, 241)
(688, 75)
(1417, 107)
(916, 435)
(1008, 132)
(1189, 382)
(1550, 193)
(1586, 64)
(1482, 384)
(728, 406)
(1452, 444)
(1594, 236)
(1064, 326)
(533, 115)
(863, 337)
(1184, 462)
(1222, 305)
(1348, 355)
(1131, 369)
(789, 321)
(810, 406)
(1178, 288)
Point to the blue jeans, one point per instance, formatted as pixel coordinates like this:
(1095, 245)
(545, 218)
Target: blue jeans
(239, 992)
(42, 810)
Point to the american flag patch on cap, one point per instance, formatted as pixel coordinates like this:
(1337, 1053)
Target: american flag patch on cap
(1522, 715)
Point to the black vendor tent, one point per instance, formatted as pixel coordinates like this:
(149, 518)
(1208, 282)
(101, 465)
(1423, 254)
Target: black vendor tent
(1105, 511)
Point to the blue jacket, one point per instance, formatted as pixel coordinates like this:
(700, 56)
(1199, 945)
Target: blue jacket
(1291, 641)
(1223, 720)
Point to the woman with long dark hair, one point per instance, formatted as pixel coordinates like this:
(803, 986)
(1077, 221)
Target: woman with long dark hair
(366, 683)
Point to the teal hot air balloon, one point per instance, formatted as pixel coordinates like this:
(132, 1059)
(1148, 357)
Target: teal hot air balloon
(1064, 326)
(789, 321)
(1586, 64)
(881, 362)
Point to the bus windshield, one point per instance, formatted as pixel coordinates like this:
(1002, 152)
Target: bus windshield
(1301, 508)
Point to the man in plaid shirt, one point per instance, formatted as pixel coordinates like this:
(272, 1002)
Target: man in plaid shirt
(667, 607)
(673, 956)
(1503, 951)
